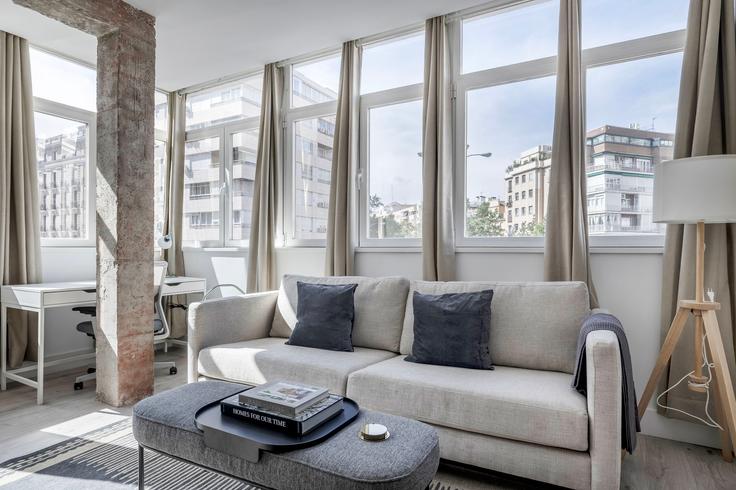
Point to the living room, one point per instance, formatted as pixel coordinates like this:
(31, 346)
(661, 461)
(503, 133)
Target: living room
(200, 199)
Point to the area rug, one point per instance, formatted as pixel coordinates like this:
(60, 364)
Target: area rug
(107, 458)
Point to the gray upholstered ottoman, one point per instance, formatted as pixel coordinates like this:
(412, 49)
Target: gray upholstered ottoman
(407, 460)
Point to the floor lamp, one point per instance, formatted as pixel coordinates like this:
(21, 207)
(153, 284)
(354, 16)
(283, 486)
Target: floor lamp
(698, 190)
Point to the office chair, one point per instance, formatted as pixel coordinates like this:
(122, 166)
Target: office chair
(161, 330)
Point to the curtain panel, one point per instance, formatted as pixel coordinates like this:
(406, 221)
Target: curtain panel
(706, 125)
(266, 196)
(174, 207)
(20, 240)
(566, 253)
(341, 219)
(438, 228)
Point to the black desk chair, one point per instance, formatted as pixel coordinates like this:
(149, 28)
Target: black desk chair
(161, 330)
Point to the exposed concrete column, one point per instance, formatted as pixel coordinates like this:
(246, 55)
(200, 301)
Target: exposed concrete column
(125, 174)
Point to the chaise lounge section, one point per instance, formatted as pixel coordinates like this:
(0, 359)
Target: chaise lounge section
(522, 418)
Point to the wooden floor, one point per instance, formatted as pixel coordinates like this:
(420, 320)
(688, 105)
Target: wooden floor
(26, 427)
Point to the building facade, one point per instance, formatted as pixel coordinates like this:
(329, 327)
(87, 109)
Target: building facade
(620, 169)
(527, 185)
(62, 181)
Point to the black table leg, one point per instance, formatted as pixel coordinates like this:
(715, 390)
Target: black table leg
(140, 468)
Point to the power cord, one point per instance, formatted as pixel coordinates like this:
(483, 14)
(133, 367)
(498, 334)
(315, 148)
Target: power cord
(708, 365)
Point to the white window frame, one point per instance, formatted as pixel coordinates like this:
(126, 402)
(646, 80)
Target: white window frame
(292, 115)
(224, 132)
(384, 98)
(629, 50)
(90, 118)
(381, 98)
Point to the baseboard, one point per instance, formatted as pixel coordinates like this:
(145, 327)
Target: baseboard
(654, 424)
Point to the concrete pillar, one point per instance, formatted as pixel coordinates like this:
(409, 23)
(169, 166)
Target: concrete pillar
(125, 138)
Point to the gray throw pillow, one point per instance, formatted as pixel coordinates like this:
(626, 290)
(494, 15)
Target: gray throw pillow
(324, 316)
(452, 329)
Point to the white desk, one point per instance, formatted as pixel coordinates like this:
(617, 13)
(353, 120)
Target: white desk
(40, 297)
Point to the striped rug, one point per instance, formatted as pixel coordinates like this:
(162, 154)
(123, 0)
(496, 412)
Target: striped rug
(107, 458)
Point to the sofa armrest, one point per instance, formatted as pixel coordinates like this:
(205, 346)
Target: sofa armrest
(603, 365)
(227, 320)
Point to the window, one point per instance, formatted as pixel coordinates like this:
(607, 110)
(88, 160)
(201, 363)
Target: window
(64, 100)
(312, 182)
(62, 147)
(631, 107)
(66, 82)
(391, 141)
(159, 158)
(380, 71)
(395, 170)
(244, 151)
(310, 127)
(315, 82)
(611, 21)
(220, 162)
(201, 202)
(225, 103)
(505, 116)
(517, 34)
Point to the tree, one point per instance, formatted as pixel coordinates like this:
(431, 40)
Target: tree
(530, 229)
(485, 222)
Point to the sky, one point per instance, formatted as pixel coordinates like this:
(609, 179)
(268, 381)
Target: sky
(504, 119)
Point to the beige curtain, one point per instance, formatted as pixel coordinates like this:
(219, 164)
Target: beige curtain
(20, 249)
(340, 248)
(174, 207)
(266, 195)
(438, 233)
(566, 255)
(706, 125)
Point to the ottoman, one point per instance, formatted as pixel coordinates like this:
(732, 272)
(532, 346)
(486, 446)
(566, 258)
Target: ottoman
(407, 460)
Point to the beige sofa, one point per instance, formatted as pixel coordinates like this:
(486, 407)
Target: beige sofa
(522, 418)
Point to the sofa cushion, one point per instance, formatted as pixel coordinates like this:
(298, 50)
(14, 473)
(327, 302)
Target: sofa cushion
(452, 329)
(324, 316)
(535, 324)
(379, 308)
(255, 362)
(513, 403)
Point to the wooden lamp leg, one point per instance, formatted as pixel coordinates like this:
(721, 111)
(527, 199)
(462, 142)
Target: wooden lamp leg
(723, 377)
(726, 446)
(696, 381)
(673, 335)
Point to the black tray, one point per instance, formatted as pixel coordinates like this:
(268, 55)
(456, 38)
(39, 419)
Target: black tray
(243, 440)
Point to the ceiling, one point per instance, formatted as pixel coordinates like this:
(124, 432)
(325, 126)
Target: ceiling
(201, 40)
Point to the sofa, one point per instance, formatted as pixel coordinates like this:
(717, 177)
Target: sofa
(521, 418)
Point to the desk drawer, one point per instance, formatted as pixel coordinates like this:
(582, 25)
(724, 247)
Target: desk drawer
(74, 298)
(188, 287)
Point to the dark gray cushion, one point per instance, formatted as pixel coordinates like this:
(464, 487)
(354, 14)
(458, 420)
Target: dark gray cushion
(324, 316)
(407, 460)
(452, 329)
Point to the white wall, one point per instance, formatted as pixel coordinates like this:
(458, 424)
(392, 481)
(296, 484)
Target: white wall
(628, 283)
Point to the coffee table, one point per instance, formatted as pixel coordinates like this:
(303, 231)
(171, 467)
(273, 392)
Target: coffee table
(165, 423)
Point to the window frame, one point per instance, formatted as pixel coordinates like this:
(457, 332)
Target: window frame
(609, 54)
(224, 132)
(383, 98)
(64, 111)
(291, 115)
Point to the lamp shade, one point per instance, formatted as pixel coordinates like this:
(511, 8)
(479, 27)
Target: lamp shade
(688, 190)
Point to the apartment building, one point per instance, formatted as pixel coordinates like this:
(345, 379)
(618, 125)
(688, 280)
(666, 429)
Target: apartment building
(620, 168)
(527, 184)
(62, 180)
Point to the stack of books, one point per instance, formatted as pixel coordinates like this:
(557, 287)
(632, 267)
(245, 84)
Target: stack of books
(284, 406)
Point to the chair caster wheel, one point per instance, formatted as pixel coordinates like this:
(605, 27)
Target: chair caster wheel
(173, 371)
(91, 370)
(78, 386)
